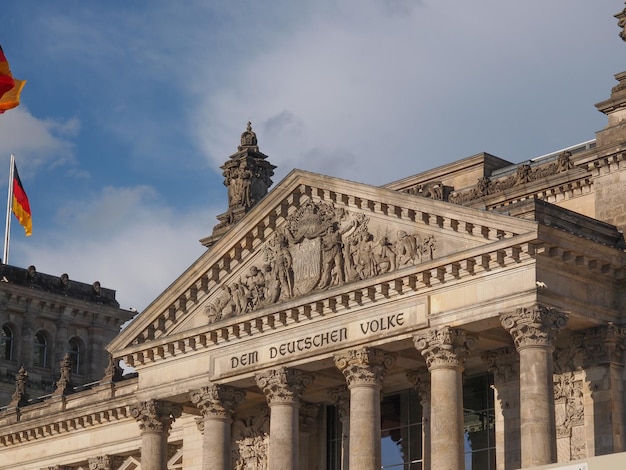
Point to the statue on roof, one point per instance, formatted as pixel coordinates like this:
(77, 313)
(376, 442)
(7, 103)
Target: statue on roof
(621, 22)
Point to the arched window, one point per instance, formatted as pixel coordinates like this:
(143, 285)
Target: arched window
(40, 350)
(74, 351)
(6, 343)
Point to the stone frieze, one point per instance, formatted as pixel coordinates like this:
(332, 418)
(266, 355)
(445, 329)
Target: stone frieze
(319, 247)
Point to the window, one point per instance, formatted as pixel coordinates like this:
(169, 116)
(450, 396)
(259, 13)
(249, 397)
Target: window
(6, 343)
(333, 436)
(40, 350)
(74, 353)
(479, 419)
(401, 431)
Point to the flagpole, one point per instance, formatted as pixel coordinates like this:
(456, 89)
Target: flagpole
(7, 230)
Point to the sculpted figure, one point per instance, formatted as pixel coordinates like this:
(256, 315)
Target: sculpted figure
(408, 248)
(332, 255)
(364, 256)
(255, 283)
(384, 255)
(272, 286)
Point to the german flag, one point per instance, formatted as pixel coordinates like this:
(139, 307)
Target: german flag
(10, 88)
(21, 207)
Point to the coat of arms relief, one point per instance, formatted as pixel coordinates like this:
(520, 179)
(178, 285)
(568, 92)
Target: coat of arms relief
(319, 247)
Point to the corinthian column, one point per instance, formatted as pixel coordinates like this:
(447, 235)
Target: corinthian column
(217, 404)
(364, 370)
(534, 330)
(283, 389)
(155, 420)
(445, 350)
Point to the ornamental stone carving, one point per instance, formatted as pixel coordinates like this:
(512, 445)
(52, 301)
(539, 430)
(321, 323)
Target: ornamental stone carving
(218, 401)
(155, 415)
(445, 347)
(64, 385)
(105, 462)
(621, 22)
(365, 366)
(420, 379)
(533, 326)
(525, 173)
(112, 372)
(20, 396)
(319, 247)
(283, 385)
(604, 344)
(569, 414)
(308, 415)
(340, 396)
(503, 363)
(251, 441)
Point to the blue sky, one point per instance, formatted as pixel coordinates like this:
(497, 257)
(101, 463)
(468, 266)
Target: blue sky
(131, 107)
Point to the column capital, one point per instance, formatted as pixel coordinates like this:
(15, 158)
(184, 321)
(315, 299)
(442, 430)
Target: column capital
(603, 344)
(420, 379)
(364, 366)
(307, 415)
(217, 401)
(445, 347)
(503, 363)
(340, 397)
(155, 415)
(536, 325)
(105, 462)
(283, 385)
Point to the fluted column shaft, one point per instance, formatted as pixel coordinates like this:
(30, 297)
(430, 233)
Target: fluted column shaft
(217, 403)
(283, 389)
(364, 370)
(155, 420)
(534, 330)
(445, 350)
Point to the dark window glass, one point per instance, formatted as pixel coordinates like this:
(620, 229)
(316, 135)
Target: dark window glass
(479, 420)
(74, 353)
(333, 436)
(40, 350)
(6, 343)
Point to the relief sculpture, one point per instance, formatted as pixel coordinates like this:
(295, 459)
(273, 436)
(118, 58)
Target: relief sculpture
(319, 247)
(251, 441)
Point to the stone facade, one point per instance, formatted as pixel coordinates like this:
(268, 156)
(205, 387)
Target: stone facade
(471, 316)
(45, 317)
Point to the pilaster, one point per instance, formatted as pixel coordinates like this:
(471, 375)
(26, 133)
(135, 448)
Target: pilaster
(420, 379)
(503, 363)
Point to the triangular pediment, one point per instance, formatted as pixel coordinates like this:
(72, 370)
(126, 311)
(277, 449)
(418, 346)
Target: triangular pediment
(311, 235)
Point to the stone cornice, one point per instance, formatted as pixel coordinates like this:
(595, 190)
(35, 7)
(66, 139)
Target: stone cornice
(422, 278)
(53, 306)
(238, 245)
(60, 415)
(45, 428)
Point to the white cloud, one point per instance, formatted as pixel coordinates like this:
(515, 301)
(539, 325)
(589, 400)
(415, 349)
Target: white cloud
(122, 238)
(37, 140)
